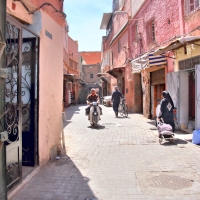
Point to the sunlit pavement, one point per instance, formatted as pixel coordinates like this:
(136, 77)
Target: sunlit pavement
(121, 159)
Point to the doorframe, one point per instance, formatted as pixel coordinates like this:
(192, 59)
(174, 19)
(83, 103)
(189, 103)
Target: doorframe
(36, 130)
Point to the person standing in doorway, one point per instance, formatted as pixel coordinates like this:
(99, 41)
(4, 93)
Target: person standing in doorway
(116, 97)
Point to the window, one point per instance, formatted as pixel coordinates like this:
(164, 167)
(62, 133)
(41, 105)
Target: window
(151, 32)
(91, 76)
(119, 46)
(191, 5)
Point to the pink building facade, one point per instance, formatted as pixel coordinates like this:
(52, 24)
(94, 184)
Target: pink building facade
(35, 69)
(160, 43)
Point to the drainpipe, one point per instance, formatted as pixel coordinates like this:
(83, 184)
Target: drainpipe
(3, 190)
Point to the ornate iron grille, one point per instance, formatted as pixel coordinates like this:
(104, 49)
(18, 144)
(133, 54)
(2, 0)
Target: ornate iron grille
(12, 82)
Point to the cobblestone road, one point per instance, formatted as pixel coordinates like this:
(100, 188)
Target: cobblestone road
(120, 160)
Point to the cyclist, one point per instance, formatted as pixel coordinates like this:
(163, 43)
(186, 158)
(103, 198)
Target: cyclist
(116, 96)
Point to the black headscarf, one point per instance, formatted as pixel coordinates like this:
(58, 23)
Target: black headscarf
(168, 97)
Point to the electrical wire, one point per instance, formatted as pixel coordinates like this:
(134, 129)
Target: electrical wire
(44, 4)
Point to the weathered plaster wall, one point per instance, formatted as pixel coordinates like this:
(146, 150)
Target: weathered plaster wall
(56, 16)
(50, 86)
(120, 57)
(18, 11)
(135, 6)
(91, 69)
(73, 49)
(166, 17)
(133, 90)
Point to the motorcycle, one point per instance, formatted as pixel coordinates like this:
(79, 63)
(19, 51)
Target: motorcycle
(94, 114)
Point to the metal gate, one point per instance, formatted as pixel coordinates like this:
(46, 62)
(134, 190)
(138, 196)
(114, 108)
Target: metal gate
(20, 100)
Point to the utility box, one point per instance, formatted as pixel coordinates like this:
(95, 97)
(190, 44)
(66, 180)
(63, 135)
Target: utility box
(3, 136)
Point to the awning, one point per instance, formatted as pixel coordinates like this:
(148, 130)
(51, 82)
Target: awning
(105, 20)
(116, 71)
(69, 77)
(140, 63)
(105, 79)
(147, 60)
(176, 44)
(101, 74)
(118, 33)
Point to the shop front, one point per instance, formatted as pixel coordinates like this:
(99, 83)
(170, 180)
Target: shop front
(153, 70)
(184, 83)
(184, 87)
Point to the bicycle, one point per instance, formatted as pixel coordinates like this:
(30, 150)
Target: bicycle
(124, 108)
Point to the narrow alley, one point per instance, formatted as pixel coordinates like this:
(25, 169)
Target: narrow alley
(120, 160)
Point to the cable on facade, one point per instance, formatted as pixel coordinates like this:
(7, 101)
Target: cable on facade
(44, 4)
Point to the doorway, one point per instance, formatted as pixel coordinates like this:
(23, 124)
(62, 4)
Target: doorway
(191, 108)
(21, 101)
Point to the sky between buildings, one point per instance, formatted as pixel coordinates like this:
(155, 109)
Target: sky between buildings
(84, 20)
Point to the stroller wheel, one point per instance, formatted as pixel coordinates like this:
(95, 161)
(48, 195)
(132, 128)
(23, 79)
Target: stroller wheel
(160, 140)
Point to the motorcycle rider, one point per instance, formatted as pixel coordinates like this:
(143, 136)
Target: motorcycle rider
(93, 97)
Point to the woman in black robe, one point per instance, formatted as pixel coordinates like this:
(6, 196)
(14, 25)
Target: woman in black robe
(166, 110)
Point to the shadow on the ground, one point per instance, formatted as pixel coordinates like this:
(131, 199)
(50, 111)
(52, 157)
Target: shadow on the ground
(98, 127)
(152, 122)
(70, 111)
(57, 180)
(177, 141)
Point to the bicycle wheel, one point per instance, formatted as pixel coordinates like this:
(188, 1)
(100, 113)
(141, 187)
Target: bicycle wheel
(122, 110)
(126, 111)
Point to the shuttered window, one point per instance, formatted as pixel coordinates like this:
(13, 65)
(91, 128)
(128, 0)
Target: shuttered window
(151, 36)
(191, 5)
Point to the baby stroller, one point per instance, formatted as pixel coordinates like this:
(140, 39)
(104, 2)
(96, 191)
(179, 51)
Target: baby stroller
(164, 130)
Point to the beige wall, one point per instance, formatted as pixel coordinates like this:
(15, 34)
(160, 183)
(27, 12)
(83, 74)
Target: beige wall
(192, 50)
(50, 87)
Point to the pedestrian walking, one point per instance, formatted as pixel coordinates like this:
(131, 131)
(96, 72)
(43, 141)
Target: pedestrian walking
(116, 97)
(166, 110)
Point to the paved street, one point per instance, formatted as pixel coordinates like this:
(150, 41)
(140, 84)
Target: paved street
(121, 160)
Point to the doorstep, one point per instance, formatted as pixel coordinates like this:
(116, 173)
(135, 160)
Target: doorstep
(25, 180)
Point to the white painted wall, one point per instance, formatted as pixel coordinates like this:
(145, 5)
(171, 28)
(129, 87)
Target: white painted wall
(183, 98)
